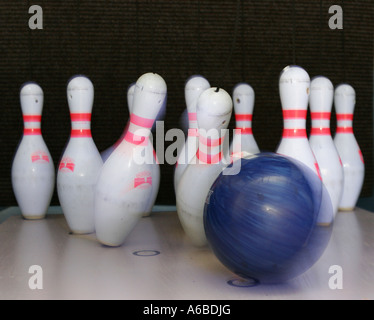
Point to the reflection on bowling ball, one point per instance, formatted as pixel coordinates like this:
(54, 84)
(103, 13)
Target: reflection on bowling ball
(270, 222)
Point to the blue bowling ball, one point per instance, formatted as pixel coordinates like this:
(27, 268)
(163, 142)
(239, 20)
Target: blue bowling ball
(271, 221)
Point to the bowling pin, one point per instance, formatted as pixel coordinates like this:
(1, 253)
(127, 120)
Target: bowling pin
(294, 85)
(347, 146)
(320, 139)
(194, 86)
(243, 143)
(151, 153)
(156, 173)
(130, 96)
(81, 161)
(125, 184)
(213, 114)
(33, 172)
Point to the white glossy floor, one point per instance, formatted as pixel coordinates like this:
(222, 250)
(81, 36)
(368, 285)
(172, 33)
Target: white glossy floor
(157, 262)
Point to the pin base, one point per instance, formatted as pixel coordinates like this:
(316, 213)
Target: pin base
(346, 209)
(109, 245)
(34, 217)
(81, 233)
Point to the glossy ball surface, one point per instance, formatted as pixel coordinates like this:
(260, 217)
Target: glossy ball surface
(270, 222)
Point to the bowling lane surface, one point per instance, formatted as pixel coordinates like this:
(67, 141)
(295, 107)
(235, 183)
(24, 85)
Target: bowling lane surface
(158, 262)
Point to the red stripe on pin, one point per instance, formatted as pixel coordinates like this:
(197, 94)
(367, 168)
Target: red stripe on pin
(135, 139)
(32, 118)
(243, 117)
(320, 115)
(344, 116)
(320, 131)
(243, 131)
(344, 130)
(193, 132)
(141, 122)
(294, 114)
(210, 142)
(294, 133)
(32, 131)
(192, 116)
(80, 133)
(208, 158)
(80, 116)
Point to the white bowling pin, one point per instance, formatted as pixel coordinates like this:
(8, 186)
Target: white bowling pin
(243, 142)
(347, 146)
(33, 172)
(213, 114)
(81, 161)
(151, 152)
(294, 84)
(156, 173)
(125, 184)
(194, 86)
(320, 140)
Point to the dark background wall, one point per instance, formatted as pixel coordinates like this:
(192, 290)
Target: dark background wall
(114, 42)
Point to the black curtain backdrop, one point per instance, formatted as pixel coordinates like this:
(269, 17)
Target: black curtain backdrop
(114, 42)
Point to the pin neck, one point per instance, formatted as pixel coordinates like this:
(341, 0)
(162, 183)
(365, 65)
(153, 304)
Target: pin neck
(210, 148)
(294, 122)
(139, 129)
(80, 125)
(344, 123)
(192, 120)
(243, 123)
(32, 125)
(320, 123)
